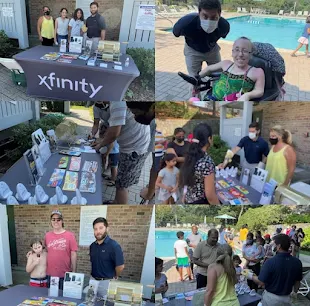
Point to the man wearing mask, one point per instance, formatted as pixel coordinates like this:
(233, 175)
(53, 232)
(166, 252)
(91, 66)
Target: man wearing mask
(106, 256)
(96, 26)
(204, 255)
(192, 240)
(279, 274)
(45, 27)
(201, 32)
(133, 139)
(256, 149)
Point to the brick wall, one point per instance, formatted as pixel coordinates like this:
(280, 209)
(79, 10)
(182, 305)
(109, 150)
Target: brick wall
(294, 116)
(167, 126)
(110, 9)
(128, 225)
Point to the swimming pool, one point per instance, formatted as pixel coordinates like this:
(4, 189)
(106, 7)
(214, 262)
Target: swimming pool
(280, 32)
(164, 242)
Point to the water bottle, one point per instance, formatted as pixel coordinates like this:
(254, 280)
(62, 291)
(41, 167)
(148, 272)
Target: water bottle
(127, 62)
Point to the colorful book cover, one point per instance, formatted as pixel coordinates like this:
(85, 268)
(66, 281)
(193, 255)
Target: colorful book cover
(242, 189)
(88, 182)
(70, 56)
(62, 303)
(246, 201)
(90, 166)
(223, 183)
(64, 60)
(225, 196)
(75, 164)
(56, 178)
(235, 202)
(235, 193)
(230, 182)
(71, 181)
(218, 186)
(63, 163)
(50, 56)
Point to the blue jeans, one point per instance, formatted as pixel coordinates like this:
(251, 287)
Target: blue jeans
(60, 37)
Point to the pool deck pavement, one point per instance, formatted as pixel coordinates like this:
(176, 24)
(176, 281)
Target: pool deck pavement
(170, 60)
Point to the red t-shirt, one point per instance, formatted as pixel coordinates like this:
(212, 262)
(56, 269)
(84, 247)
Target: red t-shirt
(59, 248)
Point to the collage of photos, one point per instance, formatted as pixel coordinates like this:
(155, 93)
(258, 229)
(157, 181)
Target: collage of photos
(155, 153)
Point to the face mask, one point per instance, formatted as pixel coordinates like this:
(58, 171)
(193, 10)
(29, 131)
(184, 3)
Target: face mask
(179, 140)
(252, 135)
(273, 141)
(142, 119)
(209, 26)
(47, 13)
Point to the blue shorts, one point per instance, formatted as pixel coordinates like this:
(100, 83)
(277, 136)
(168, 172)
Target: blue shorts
(114, 158)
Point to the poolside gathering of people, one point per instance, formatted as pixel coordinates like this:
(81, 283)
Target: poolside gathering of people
(188, 171)
(268, 266)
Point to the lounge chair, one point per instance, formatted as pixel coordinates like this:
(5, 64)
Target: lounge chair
(281, 12)
(304, 288)
(306, 13)
(178, 225)
(168, 225)
(185, 225)
(292, 13)
(239, 10)
(299, 13)
(244, 10)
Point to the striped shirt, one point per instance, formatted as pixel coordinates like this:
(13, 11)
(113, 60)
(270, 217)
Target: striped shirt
(159, 147)
(134, 137)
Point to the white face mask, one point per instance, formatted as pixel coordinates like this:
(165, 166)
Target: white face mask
(209, 26)
(252, 135)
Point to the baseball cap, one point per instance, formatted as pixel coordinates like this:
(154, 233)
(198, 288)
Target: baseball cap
(56, 212)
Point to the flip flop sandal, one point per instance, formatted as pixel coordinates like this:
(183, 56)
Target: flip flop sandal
(241, 292)
(253, 292)
(111, 183)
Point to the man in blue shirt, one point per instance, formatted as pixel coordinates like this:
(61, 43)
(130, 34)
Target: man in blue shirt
(202, 30)
(106, 256)
(256, 149)
(279, 274)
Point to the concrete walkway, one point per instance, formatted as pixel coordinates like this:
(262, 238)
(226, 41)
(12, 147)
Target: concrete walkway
(84, 121)
(170, 60)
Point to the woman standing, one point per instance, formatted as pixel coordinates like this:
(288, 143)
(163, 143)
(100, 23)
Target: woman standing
(248, 251)
(61, 26)
(179, 146)
(281, 160)
(221, 280)
(45, 27)
(76, 23)
(198, 170)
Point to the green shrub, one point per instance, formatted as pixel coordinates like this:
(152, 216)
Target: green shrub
(296, 218)
(305, 245)
(22, 132)
(145, 61)
(218, 150)
(6, 45)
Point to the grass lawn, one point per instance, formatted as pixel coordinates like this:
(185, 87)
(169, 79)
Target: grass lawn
(303, 252)
(90, 109)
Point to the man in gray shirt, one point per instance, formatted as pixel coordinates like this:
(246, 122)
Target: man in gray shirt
(192, 240)
(204, 255)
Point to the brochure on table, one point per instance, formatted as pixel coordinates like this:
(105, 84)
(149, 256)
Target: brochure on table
(73, 285)
(258, 179)
(53, 291)
(39, 139)
(75, 45)
(33, 172)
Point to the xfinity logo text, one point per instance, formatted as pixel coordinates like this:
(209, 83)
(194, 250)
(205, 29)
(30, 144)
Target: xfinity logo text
(50, 81)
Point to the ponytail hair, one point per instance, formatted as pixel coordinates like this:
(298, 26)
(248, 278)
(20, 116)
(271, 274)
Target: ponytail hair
(224, 258)
(202, 133)
(286, 135)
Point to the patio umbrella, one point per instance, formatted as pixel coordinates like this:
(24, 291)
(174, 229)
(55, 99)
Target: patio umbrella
(226, 217)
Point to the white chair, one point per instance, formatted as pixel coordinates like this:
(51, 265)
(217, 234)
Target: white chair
(185, 225)
(239, 10)
(178, 225)
(299, 13)
(304, 288)
(306, 13)
(168, 225)
(189, 225)
(244, 10)
(292, 13)
(281, 12)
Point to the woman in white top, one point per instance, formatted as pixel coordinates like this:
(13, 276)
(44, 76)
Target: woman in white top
(61, 26)
(76, 23)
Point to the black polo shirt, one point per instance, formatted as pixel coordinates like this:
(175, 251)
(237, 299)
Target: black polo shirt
(254, 150)
(105, 257)
(280, 273)
(195, 37)
(94, 25)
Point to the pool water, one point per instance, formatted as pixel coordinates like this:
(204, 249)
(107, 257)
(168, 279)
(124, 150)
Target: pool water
(164, 242)
(280, 32)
